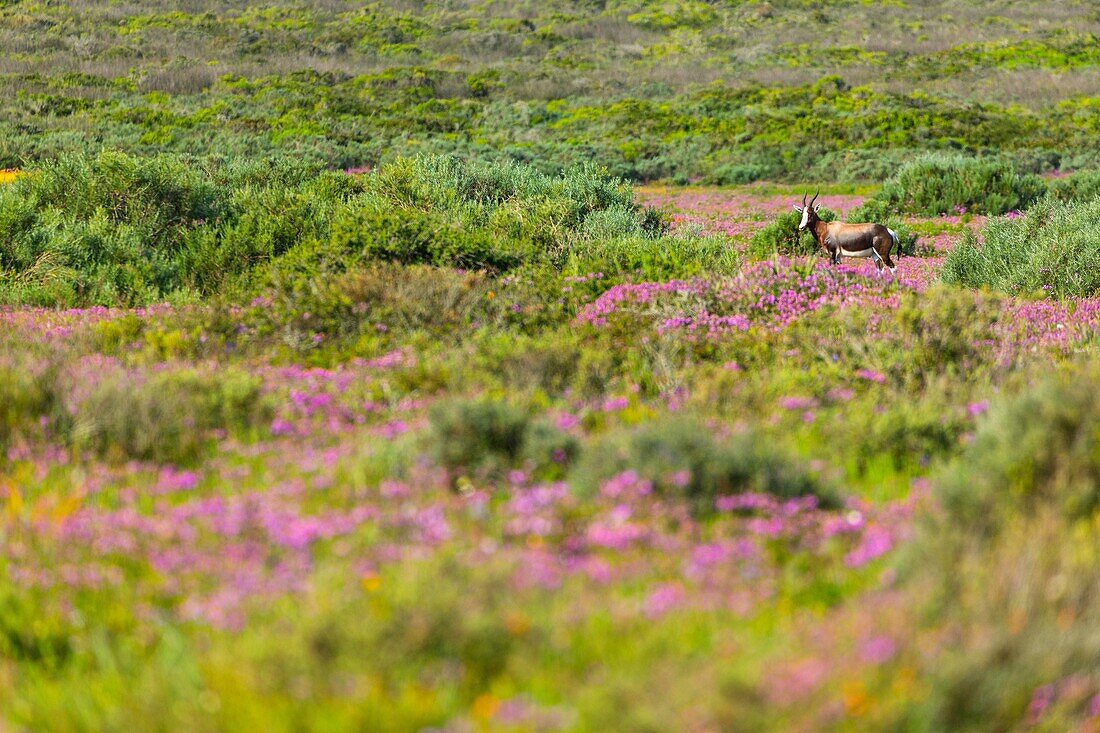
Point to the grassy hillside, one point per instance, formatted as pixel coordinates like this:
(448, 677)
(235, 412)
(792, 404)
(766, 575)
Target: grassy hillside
(726, 91)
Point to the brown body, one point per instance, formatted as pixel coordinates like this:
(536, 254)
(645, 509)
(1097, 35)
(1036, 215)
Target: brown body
(849, 240)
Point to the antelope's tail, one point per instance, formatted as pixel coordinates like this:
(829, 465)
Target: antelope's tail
(897, 242)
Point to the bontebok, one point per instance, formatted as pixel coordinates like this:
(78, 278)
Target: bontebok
(848, 240)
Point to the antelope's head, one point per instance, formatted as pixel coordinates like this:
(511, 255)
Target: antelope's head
(809, 212)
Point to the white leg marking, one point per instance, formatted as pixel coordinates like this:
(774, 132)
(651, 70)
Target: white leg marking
(878, 259)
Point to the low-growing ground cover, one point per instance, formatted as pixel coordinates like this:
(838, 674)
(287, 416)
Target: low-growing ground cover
(393, 495)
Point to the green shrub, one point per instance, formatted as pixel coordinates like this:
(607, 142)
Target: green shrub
(943, 331)
(29, 391)
(372, 230)
(858, 165)
(171, 418)
(613, 222)
(119, 229)
(548, 452)
(471, 434)
(32, 633)
(547, 362)
(100, 230)
(445, 619)
(1052, 249)
(1080, 186)
(684, 459)
(371, 302)
(1039, 449)
(518, 201)
(488, 435)
(739, 174)
(267, 219)
(440, 211)
(1005, 563)
(910, 434)
(940, 184)
(645, 258)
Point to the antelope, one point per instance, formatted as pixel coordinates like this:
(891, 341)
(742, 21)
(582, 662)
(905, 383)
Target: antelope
(848, 240)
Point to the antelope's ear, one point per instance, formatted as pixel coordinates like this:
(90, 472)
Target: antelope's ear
(797, 208)
(817, 208)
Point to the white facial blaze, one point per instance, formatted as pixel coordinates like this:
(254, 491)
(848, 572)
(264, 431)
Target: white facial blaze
(805, 218)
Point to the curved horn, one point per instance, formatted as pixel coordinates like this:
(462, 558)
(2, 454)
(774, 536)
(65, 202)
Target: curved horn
(804, 199)
(815, 197)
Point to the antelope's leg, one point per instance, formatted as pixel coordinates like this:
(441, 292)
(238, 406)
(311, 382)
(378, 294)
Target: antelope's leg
(882, 248)
(877, 257)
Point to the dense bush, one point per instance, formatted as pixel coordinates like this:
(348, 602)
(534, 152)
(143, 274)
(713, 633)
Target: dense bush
(331, 317)
(374, 231)
(471, 434)
(683, 458)
(171, 418)
(29, 393)
(941, 184)
(737, 174)
(119, 229)
(1039, 450)
(646, 258)
(1081, 186)
(943, 331)
(1052, 249)
(99, 230)
(909, 435)
(1005, 563)
(518, 201)
(488, 435)
(272, 208)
